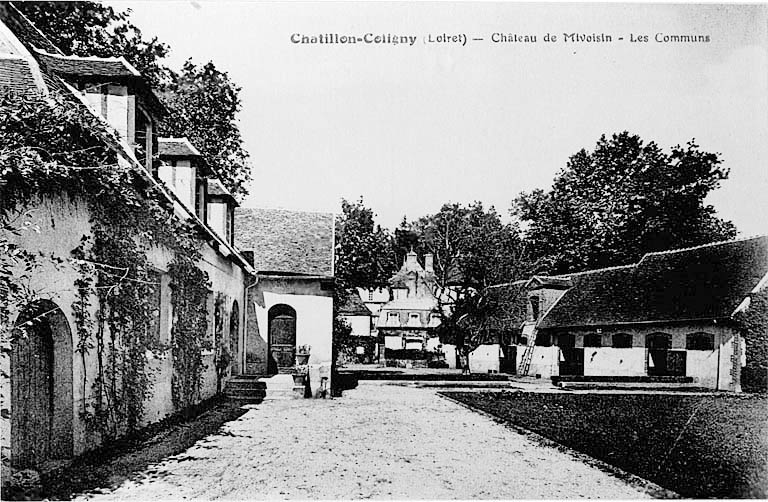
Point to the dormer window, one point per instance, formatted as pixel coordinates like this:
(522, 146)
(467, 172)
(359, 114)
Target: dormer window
(535, 307)
(116, 91)
(180, 169)
(221, 210)
(143, 140)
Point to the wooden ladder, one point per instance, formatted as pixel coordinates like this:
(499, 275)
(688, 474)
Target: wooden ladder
(525, 362)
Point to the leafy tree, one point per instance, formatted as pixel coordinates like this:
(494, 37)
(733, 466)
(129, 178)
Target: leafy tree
(624, 199)
(202, 100)
(364, 255)
(471, 245)
(203, 104)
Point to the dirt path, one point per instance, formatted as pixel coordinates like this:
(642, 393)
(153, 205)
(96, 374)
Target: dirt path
(378, 441)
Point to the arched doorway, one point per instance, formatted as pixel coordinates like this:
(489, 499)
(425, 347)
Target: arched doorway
(234, 337)
(41, 386)
(661, 359)
(282, 338)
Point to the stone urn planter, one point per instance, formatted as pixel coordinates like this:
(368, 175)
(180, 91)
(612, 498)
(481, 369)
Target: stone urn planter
(299, 374)
(302, 355)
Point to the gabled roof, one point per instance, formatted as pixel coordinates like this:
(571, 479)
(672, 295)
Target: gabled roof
(540, 282)
(91, 66)
(354, 305)
(701, 283)
(287, 241)
(25, 30)
(216, 187)
(176, 147)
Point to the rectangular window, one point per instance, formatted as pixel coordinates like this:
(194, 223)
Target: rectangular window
(370, 295)
(700, 341)
(155, 298)
(200, 198)
(593, 340)
(228, 224)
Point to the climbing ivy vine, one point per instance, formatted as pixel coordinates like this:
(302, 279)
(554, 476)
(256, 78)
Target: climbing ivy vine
(56, 148)
(189, 296)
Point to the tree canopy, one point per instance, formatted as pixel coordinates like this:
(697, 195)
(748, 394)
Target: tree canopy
(203, 104)
(471, 245)
(624, 199)
(364, 254)
(202, 101)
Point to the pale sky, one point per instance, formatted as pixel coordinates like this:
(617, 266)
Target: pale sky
(412, 127)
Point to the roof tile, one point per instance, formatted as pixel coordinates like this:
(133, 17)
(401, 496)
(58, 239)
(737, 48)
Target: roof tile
(706, 282)
(286, 241)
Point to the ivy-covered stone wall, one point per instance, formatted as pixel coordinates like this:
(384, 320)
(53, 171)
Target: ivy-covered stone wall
(754, 324)
(87, 230)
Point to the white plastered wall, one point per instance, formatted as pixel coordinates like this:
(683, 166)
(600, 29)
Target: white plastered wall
(314, 327)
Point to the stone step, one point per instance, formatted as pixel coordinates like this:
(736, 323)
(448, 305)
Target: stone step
(246, 389)
(245, 392)
(246, 384)
(247, 399)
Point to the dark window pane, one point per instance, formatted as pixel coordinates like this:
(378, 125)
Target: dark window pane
(658, 341)
(700, 341)
(593, 340)
(621, 341)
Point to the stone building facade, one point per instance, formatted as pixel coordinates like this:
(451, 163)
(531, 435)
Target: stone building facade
(407, 321)
(50, 377)
(672, 314)
(291, 301)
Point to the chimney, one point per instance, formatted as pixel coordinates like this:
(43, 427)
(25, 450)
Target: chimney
(410, 259)
(429, 265)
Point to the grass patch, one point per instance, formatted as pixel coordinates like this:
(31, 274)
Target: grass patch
(697, 446)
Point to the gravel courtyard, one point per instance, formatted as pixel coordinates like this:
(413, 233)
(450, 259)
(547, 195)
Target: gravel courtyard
(378, 441)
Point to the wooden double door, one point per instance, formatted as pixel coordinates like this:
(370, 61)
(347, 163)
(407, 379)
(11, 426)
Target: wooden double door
(282, 338)
(571, 357)
(661, 359)
(41, 387)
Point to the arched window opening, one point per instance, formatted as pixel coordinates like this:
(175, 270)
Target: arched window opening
(593, 340)
(565, 340)
(658, 341)
(543, 339)
(621, 341)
